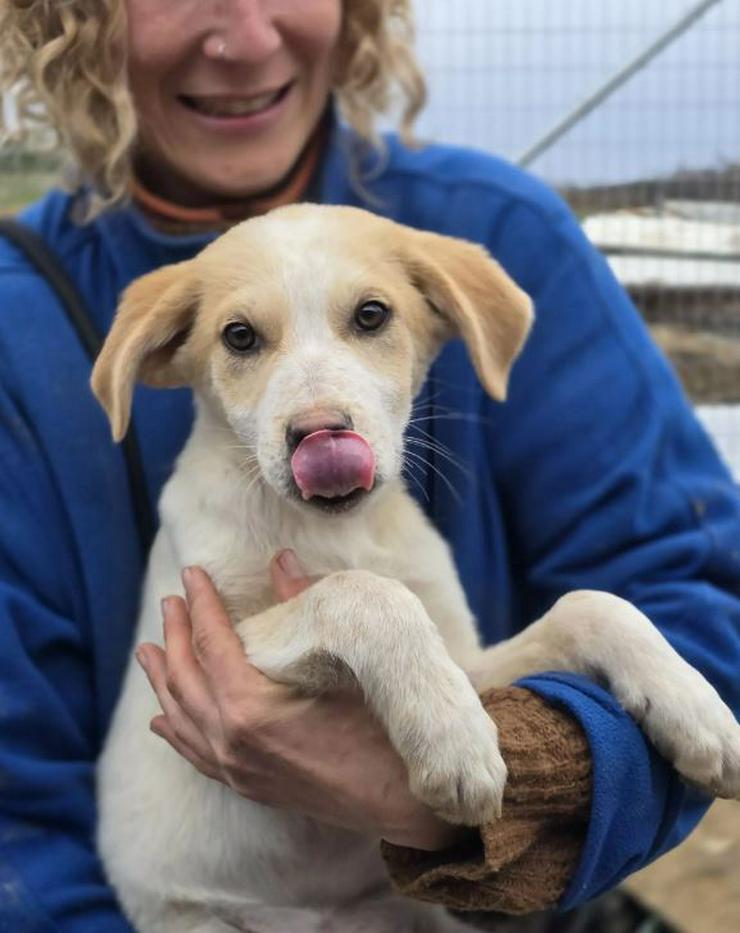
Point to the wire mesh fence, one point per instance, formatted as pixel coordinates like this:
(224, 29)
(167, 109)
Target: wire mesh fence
(501, 72)
(653, 168)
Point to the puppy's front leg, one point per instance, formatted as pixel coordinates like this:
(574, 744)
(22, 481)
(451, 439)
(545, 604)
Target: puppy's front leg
(375, 631)
(610, 640)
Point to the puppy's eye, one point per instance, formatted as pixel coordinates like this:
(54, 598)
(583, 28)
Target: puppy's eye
(371, 315)
(239, 337)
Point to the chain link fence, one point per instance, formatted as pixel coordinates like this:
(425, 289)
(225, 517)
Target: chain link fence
(629, 108)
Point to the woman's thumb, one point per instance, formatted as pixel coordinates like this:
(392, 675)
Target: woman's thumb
(288, 577)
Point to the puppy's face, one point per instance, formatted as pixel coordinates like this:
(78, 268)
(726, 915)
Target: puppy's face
(310, 348)
(309, 332)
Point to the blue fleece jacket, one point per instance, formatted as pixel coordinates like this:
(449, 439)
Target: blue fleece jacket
(594, 473)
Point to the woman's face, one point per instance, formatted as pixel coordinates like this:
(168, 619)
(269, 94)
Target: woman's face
(227, 92)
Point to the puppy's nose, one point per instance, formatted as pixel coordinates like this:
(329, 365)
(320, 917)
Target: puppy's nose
(323, 419)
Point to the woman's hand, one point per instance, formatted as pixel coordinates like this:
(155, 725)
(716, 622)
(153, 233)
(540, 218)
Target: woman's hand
(325, 757)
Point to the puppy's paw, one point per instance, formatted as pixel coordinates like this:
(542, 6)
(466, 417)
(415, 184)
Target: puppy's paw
(458, 770)
(691, 726)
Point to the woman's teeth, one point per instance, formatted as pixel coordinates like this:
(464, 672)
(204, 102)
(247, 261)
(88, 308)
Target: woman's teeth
(232, 107)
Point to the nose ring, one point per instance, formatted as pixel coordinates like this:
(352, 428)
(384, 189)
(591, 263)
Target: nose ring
(215, 46)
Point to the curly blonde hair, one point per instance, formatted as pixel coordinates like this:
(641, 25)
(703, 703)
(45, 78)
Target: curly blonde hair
(65, 61)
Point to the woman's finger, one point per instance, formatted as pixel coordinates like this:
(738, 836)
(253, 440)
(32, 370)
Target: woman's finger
(160, 726)
(288, 577)
(152, 660)
(216, 645)
(185, 679)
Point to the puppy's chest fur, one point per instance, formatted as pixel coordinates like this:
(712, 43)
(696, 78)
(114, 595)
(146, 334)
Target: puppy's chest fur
(234, 534)
(208, 520)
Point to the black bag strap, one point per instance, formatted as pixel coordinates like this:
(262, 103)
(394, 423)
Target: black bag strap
(37, 251)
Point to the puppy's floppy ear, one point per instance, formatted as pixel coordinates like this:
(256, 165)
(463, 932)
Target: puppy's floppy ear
(477, 298)
(153, 320)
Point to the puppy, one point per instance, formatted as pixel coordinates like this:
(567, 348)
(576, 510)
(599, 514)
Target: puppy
(306, 335)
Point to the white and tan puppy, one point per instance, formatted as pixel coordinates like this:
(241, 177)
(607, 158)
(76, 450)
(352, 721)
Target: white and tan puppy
(306, 335)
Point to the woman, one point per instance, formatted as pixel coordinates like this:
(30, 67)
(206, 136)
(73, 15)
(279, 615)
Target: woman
(183, 116)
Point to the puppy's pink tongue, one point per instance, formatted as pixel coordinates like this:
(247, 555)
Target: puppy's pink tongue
(333, 463)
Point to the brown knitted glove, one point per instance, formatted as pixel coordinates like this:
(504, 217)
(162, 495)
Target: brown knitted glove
(523, 861)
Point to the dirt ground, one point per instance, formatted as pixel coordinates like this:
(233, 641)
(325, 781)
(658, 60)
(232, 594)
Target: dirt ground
(707, 363)
(696, 888)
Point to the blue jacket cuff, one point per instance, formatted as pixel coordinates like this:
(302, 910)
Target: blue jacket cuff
(639, 808)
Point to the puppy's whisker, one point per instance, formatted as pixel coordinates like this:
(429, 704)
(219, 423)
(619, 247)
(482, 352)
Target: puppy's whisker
(425, 403)
(432, 441)
(452, 416)
(446, 384)
(222, 429)
(250, 467)
(427, 410)
(430, 403)
(419, 485)
(447, 410)
(443, 452)
(426, 434)
(252, 481)
(422, 460)
(453, 491)
(408, 470)
(442, 449)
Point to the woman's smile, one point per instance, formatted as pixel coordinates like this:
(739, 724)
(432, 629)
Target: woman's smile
(225, 106)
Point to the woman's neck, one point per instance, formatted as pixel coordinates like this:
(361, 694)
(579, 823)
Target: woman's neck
(161, 199)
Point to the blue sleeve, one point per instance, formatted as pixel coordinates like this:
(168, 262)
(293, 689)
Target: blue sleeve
(609, 482)
(50, 878)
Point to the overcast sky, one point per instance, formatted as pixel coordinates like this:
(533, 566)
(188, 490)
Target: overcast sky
(501, 72)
